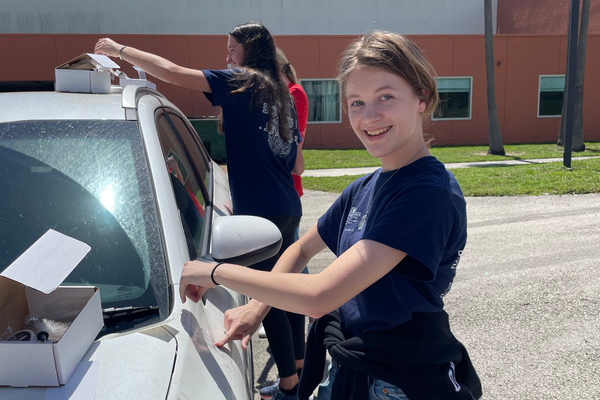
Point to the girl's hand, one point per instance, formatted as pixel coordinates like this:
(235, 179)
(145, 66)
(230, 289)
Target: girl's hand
(241, 323)
(195, 280)
(107, 47)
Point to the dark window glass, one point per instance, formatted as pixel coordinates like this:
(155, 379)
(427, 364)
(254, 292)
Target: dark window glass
(551, 95)
(323, 100)
(455, 98)
(551, 103)
(188, 168)
(453, 105)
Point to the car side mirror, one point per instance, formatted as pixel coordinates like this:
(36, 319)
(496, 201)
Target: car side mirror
(244, 240)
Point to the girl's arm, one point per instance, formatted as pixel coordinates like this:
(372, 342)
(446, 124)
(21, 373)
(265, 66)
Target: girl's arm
(309, 294)
(299, 165)
(241, 322)
(157, 66)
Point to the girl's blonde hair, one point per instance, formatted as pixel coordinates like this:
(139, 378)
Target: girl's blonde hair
(396, 54)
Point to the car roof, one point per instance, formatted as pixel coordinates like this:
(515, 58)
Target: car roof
(117, 105)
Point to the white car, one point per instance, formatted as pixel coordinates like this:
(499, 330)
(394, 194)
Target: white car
(126, 173)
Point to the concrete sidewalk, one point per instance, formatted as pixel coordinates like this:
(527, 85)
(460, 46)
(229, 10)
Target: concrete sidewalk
(525, 300)
(367, 170)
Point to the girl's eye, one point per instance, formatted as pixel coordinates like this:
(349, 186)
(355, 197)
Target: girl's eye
(356, 103)
(385, 97)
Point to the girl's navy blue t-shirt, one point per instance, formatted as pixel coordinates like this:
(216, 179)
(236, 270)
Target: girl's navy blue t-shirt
(420, 211)
(259, 162)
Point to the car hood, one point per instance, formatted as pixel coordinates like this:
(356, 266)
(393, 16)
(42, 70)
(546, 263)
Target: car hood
(130, 366)
(136, 365)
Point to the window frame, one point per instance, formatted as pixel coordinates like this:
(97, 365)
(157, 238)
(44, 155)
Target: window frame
(339, 99)
(539, 94)
(470, 107)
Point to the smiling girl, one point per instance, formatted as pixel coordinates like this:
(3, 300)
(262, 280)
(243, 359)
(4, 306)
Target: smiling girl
(398, 234)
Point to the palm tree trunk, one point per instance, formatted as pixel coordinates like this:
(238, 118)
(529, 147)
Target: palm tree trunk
(578, 144)
(494, 136)
(577, 128)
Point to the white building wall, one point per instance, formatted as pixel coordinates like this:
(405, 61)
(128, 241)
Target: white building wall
(217, 17)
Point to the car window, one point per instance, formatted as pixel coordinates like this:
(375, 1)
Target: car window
(189, 172)
(198, 154)
(88, 180)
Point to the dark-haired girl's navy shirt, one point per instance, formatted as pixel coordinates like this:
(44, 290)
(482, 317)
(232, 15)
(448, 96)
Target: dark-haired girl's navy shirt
(259, 162)
(421, 211)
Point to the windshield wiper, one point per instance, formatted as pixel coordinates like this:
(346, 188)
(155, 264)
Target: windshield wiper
(117, 315)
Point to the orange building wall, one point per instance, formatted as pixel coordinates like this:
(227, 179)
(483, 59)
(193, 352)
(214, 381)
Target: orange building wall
(521, 58)
(541, 16)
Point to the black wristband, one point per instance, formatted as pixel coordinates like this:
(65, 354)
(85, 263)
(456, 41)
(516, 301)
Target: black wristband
(212, 274)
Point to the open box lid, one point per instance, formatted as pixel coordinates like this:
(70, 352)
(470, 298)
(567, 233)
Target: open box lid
(89, 61)
(53, 252)
(30, 286)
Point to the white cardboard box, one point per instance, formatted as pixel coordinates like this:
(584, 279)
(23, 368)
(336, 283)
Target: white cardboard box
(29, 287)
(85, 73)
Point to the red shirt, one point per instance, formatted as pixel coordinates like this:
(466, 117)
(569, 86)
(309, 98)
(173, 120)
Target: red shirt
(301, 101)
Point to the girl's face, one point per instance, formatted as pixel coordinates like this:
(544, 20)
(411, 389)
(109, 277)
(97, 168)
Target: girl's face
(235, 53)
(385, 114)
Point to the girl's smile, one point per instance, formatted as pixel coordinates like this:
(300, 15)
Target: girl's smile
(378, 132)
(385, 114)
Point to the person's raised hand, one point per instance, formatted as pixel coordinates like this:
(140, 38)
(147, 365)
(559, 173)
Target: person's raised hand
(107, 47)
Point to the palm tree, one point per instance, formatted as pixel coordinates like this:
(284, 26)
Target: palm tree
(577, 129)
(494, 136)
(578, 144)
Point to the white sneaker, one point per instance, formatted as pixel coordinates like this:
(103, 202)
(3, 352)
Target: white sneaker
(261, 332)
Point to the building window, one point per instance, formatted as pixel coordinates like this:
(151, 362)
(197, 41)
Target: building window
(550, 96)
(324, 103)
(455, 98)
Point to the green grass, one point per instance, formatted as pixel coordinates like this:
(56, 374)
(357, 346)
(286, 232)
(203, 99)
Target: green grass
(325, 159)
(532, 180)
(321, 159)
(448, 154)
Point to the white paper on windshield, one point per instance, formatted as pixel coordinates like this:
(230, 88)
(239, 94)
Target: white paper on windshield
(46, 264)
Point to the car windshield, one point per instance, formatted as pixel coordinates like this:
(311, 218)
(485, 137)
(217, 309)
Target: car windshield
(88, 180)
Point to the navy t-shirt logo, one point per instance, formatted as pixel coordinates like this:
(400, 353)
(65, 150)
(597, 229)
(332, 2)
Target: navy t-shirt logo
(353, 216)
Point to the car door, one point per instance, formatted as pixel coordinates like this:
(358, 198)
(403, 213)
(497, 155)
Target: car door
(192, 177)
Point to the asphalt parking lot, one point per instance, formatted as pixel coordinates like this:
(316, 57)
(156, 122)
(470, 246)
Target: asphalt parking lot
(526, 299)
